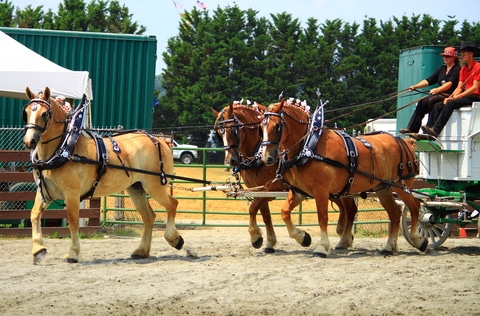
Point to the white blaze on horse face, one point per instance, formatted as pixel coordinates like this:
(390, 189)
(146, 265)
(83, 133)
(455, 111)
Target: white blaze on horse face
(225, 145)
(224, 139)
(265, 130)
(31, 133)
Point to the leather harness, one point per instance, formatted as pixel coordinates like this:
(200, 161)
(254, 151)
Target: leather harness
(308, 151)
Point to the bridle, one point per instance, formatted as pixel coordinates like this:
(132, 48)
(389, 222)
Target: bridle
(278, 128)
(234, 128)
(47, 116)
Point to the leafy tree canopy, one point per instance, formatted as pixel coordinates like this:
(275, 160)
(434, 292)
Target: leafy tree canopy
(232, 54)
(73, 15)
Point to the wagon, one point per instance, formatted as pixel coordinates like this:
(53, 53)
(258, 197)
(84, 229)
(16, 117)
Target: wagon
(451, 165)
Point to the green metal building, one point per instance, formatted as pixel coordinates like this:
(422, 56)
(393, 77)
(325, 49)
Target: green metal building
(415, 64)
(121, 67)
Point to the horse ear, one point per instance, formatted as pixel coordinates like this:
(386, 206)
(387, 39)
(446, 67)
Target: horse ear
(262, 108)
(29, 93)
(215, 113)
(281, 104)
(46, 94)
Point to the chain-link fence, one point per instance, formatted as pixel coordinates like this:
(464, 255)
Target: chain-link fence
(372, 222)
(11, 139)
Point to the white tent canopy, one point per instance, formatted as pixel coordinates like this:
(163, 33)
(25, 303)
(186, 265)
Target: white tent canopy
(20, 67)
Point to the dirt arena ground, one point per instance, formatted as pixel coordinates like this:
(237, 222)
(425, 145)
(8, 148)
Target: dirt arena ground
(229, 277)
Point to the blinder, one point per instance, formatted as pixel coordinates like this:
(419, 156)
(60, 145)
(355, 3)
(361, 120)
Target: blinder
(277, 128)
(47, 115)
(234, 130)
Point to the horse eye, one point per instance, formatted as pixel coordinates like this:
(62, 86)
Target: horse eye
(278, 127)
(265, 120)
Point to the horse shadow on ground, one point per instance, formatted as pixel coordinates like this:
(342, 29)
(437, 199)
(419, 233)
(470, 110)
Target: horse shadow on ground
(360, 252)
(463, 250)
(149, 260)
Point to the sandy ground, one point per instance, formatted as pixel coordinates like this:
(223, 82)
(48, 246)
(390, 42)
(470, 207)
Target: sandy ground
(229, 277)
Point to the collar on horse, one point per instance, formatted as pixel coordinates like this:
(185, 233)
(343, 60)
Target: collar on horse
(67, 144)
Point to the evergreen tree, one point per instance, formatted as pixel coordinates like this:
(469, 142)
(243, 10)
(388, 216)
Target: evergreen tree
(6, 14)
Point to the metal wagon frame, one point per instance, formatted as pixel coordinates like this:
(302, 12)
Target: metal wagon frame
(452, 165)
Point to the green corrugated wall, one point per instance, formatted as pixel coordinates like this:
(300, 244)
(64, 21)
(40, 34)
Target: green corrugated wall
(416, 63)
(121, 66)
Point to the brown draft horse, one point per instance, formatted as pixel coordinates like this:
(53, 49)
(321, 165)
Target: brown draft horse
(46, 124)
(379, 170)
(238, 125)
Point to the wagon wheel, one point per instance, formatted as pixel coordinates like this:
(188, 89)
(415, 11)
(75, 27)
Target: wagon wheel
(436, 233)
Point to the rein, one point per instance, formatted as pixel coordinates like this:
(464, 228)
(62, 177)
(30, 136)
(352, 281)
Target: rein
(284, 165)
(66, 147)
(85, 160)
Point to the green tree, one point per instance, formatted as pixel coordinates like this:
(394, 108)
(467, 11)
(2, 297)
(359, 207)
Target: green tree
(6, 14)
(281, 74)
(73, 15)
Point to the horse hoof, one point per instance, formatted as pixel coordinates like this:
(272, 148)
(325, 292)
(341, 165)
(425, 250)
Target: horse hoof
(39, 255)
(180, 243)
(319, 255)
(71, 260)
(307, 240)
(257, 244)
(423, 247)
(269, 250)
(136, 257)
(386, 253)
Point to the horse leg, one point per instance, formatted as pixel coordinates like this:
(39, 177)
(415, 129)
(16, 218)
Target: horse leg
(301, 236)
(160, 194)
(73, 214)
(413, 205)
(348, 210)
(323, 247)
(139, 199)
(39, 251)
(255, 232)
(394, 213)
(267, 220)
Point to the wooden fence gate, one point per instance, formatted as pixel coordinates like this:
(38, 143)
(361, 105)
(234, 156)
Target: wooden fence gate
(15, 203)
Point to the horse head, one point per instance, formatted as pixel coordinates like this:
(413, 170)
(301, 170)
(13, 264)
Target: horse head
(237, 126)
(272, 127)
(283, 127)
(227, 126)
(38, 116)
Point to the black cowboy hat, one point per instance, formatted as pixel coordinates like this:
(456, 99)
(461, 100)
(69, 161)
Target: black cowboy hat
(469, 47)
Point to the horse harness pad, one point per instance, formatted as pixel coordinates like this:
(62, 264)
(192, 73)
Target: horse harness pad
(310, 144)
(102, 158)
(352, 154)
(64, 150)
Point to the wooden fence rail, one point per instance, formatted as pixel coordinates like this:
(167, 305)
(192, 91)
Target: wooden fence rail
(52, 218)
